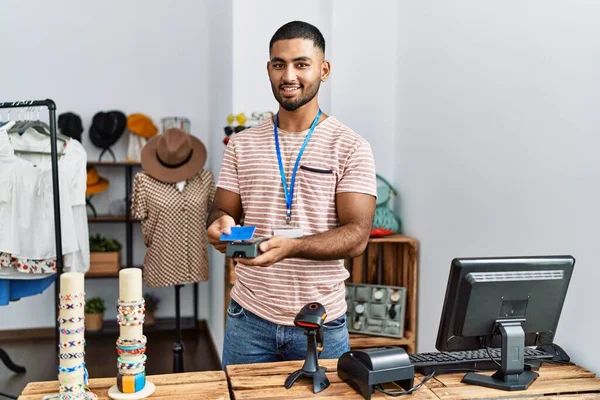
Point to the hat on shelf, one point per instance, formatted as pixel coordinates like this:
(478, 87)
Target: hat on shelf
(173, 156)
(70, 125)
(107, 128)
(95, 183)
(141, 125)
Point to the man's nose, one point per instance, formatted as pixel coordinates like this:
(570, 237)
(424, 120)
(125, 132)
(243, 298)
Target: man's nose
(289, 75)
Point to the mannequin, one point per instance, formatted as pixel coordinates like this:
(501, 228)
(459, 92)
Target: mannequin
(172, 198)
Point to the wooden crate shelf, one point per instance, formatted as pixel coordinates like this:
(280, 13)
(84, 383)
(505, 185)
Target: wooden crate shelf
(398, 267)
(358, 341)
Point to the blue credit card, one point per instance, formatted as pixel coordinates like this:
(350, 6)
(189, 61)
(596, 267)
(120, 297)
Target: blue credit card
(238, 233)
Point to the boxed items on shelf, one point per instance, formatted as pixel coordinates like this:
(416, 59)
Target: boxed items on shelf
(376, 309)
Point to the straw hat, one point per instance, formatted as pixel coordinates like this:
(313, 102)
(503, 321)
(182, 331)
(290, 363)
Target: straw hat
(141, 125)
(95, 183)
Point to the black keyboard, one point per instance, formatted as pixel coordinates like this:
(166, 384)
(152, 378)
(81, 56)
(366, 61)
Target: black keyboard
(426, 363)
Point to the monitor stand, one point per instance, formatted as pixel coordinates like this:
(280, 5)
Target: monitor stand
(511, 375)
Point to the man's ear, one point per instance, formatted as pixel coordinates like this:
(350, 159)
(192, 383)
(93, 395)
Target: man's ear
(268, 66)
(325, 70)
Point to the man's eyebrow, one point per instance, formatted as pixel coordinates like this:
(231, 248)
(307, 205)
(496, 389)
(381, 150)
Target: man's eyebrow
(278, 59)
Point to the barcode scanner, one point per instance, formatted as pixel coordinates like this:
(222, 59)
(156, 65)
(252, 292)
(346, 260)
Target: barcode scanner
(311, 318)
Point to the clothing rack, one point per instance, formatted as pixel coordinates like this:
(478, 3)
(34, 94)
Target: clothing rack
(55, 194)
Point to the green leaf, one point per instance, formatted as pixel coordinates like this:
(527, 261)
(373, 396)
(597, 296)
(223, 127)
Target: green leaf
(94, 305)
(100, 244)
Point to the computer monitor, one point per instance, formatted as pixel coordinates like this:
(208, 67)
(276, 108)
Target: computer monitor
(505, 302)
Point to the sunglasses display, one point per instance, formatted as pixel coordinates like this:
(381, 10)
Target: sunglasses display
(239, 122)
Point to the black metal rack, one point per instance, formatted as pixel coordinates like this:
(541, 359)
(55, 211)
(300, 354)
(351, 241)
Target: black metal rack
(56, 198)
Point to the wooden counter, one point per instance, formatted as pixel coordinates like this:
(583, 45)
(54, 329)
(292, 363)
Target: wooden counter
(186, 386)
(259, 381)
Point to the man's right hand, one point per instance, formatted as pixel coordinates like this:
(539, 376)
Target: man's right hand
(221, 225)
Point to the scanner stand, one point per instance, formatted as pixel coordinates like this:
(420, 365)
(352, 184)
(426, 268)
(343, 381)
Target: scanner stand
(311, 368)
(364, 369)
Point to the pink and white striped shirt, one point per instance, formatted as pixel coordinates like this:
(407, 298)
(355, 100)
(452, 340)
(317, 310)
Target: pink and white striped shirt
(335, 160)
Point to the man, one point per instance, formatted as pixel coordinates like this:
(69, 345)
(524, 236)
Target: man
(307, 182)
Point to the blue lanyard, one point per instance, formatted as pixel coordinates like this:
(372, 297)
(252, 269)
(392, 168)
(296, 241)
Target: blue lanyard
(289, 194)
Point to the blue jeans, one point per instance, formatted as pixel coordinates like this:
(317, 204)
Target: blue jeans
(251, 339)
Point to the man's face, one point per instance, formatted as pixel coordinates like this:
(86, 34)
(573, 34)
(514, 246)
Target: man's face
(296, 70)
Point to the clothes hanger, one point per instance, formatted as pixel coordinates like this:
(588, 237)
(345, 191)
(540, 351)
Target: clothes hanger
(41, 128)
(2, 123)
(18, 122)
(38, 125)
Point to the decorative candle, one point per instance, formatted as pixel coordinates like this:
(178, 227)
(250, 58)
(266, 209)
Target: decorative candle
(71, 334)
(130, 291)
(131, 345)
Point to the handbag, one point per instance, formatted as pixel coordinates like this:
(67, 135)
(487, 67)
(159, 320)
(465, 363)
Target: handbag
(385, 222)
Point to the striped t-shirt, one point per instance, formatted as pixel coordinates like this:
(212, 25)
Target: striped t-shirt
(335, 160)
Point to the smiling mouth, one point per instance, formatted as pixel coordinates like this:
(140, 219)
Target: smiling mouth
(290, 90)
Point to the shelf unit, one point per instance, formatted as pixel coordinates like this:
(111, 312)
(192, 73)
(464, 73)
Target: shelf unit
(128, 167)
(399, 267)
(129, 223)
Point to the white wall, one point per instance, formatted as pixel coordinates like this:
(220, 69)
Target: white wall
(220, 92)
(497, 148)
(134, 56)
(364, 74)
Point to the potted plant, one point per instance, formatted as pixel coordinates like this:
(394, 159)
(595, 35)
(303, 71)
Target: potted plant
(94, 314)
(105, 256)
(151, 307)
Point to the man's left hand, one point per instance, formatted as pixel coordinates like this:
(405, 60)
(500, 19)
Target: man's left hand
(273, 250)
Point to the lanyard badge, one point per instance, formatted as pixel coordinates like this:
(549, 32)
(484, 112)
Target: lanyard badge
(289, 194)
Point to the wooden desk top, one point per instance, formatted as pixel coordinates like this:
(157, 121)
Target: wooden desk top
(186, 386)
(255, 381)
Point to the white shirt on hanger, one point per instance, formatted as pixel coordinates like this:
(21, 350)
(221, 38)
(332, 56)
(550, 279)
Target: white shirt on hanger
(27, 208)
(72, 166)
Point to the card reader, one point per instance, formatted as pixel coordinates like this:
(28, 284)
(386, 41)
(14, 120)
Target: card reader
(244, 249)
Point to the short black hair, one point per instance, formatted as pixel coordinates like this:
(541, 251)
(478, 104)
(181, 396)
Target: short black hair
(299, 30)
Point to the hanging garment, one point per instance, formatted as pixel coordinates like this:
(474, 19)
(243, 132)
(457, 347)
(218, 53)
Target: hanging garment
(72, 166)
(27, 206)
(28, 266)
(15, 285)
(174, 227)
